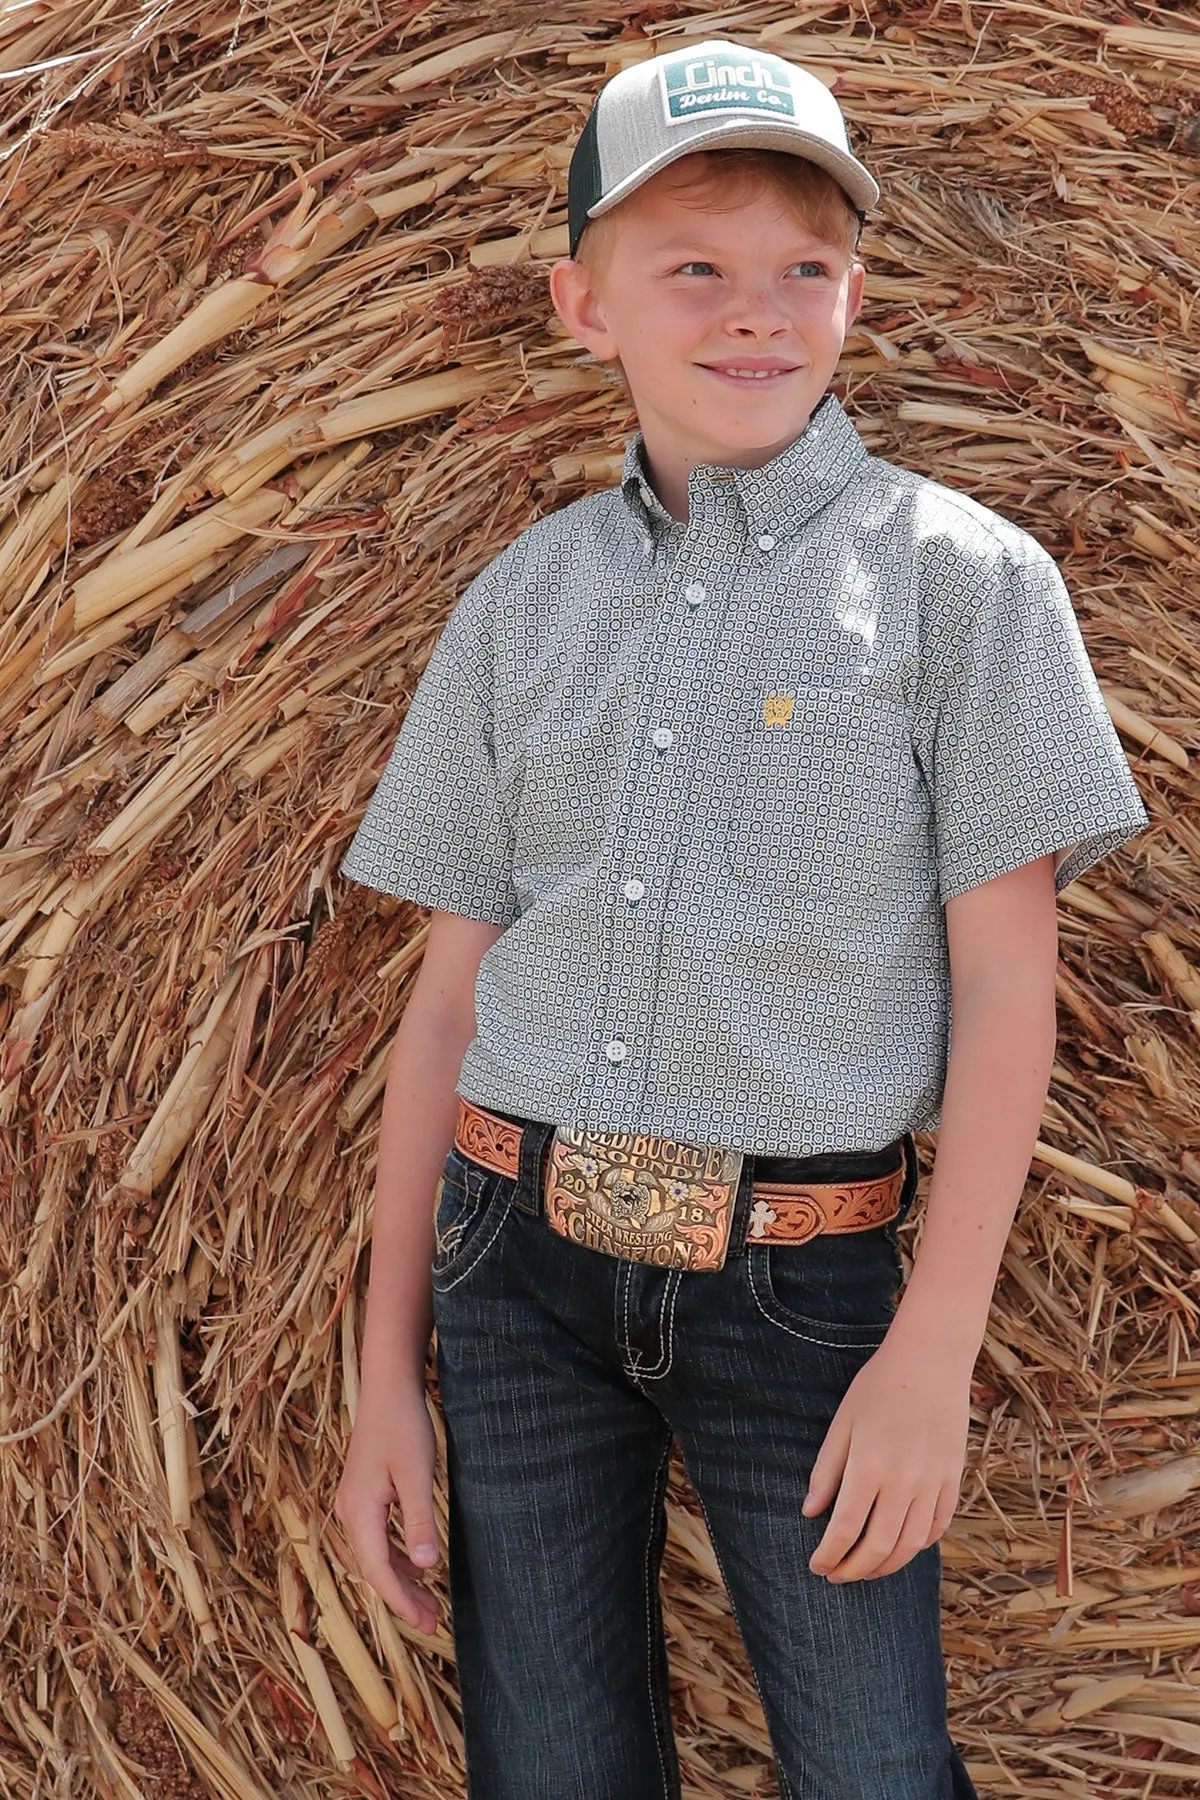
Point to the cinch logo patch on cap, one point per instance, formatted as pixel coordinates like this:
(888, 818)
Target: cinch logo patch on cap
(722, 83)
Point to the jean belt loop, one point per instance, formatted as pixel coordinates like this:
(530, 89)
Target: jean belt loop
(739, 1224)
(912, 1174)
(534, 1138)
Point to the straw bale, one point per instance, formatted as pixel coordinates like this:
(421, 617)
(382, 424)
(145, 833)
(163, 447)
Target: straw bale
(280, 374)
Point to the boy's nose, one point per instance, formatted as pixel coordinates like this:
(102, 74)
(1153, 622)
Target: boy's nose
(756, 310)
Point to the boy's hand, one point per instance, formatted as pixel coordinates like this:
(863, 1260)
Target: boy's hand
(391, 1460)
(896, 1445)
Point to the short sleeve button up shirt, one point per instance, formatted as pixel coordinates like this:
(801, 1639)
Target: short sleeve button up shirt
(718, 778)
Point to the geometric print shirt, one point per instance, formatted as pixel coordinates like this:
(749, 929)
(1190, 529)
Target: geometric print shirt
(718, 778)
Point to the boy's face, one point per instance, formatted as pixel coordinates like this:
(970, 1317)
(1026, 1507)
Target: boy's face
(688, 297)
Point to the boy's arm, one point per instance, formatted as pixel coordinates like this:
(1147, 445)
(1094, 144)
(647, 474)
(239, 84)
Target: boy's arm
(392, 1451)
(893, 1455)
(1022, 763)
(1021, 757)
(1003, 941)
(415, 1134)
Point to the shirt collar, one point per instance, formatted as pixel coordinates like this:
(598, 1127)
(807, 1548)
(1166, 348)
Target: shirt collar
(776, 499)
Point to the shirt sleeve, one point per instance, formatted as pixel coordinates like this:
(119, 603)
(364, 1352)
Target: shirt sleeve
(1022, 756)
(435, 830)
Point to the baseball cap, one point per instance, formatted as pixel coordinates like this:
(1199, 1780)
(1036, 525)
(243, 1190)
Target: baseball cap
(702, 96)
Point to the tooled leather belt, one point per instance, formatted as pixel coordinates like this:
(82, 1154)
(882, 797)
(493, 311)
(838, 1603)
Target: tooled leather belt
(780, 1212)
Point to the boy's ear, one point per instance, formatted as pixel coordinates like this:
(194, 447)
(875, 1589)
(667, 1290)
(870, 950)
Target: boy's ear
(854, 296)
(580, 308)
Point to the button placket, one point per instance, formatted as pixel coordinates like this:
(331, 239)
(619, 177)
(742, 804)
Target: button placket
(654, 804)
(613, 1051)
(708, 543)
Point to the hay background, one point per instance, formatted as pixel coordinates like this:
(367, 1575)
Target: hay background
(273, 306)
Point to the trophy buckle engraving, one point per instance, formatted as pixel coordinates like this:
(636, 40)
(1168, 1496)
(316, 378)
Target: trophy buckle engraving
(648, 1198)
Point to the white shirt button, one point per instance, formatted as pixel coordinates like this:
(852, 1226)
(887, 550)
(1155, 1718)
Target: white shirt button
(694, 592)
(634, 889)
(663, 736)
(615, 1050)
(648, 545)
(766, 541)
(644, 491)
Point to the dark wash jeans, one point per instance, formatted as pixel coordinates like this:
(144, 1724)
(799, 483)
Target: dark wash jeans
(563, 1374)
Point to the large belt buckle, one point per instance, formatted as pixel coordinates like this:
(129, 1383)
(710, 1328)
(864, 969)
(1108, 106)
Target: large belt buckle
(651, 1199)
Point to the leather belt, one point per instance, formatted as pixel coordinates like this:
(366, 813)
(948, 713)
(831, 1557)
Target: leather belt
(780, 1212)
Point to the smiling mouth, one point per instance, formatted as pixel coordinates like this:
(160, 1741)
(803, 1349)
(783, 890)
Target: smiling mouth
(746, 378)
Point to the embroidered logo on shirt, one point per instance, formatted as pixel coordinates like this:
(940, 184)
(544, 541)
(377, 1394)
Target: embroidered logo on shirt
(777, 709)
(722, 83)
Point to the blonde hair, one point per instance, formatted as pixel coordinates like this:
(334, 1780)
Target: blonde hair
(722, 180)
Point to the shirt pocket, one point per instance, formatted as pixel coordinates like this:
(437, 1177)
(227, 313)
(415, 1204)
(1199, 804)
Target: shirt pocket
(814, 799)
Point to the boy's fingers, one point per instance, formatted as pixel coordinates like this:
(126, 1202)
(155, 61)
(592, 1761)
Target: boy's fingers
(876, 1543)
(912, 1537)
(377, 1562)
(845, 1526)
(821, 1489)
(827, 1471)
(366, 1527)
(420, 1538)
(404, 1597)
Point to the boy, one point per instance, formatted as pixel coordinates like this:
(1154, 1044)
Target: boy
(722, 784)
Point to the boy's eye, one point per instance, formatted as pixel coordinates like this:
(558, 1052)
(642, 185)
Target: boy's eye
(809, 268)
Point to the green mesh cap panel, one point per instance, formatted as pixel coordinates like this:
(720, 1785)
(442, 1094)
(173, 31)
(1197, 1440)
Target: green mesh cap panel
(583, 179)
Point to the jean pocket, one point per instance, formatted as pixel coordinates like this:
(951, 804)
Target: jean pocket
(465, 1215)
(843, 1295)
